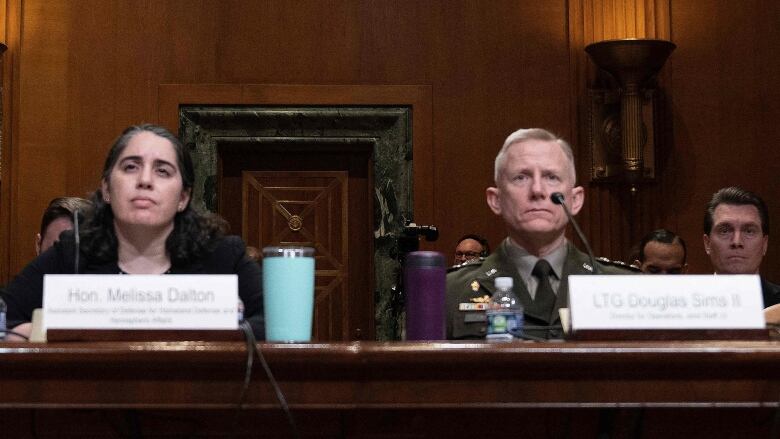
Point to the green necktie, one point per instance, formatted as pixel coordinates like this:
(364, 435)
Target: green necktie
(545, 296)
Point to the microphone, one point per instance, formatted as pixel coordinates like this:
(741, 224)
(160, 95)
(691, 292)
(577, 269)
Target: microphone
(409, 238)
(78, 241)
(430, 233)
(558, 198)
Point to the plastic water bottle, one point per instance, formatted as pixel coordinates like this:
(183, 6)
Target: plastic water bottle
(504, 312)
(3, 310)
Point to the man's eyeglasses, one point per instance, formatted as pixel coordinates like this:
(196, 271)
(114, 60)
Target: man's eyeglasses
(469, 255)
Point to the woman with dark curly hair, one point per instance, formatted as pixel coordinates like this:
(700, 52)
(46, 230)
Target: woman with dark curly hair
(142, 223)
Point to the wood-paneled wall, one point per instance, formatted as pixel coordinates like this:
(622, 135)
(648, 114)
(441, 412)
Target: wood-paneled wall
(76, 73)
(725, 110)
(613, 218)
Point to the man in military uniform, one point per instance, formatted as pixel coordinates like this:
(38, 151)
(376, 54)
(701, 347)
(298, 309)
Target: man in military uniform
(531, 165)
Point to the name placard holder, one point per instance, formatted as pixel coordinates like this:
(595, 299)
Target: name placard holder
(672, 307)
(141, 308)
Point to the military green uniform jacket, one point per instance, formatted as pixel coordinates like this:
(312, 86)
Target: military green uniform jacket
(472, 282)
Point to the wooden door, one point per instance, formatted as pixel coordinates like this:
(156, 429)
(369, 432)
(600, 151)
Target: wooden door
(321, 198)
(306, 208)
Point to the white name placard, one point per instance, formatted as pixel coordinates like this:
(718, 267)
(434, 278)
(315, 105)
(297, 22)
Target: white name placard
(140, 301)
(666, 302)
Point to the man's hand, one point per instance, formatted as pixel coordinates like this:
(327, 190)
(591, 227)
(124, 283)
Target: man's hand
(772, 314)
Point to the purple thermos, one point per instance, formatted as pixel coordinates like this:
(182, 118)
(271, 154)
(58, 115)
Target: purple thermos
(424, 276)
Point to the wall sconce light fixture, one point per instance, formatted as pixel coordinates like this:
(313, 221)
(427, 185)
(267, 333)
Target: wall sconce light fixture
(621, 129)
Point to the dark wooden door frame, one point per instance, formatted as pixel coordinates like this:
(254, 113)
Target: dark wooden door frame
(172, 97)
(419, 97)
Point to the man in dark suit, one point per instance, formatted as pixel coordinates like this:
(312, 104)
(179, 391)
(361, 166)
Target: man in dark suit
(531, 165)
(736, 236)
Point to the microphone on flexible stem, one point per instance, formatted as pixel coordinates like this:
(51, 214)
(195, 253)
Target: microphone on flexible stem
(78, 241)
(558, 198)
(607, 415)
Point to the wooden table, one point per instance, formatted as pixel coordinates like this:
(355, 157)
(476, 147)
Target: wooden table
(450, 382)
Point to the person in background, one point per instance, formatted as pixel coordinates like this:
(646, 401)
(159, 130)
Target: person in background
(254, 254)
(142, 223)
(531, 166)
(662, 252)
(57, 218)
(471, 247)
(736, 237)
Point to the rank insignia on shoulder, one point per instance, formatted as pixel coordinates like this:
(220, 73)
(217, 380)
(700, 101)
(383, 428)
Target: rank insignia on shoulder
(587, 266)
(491, 272)
(616, 263)
(471, 262)
(474, 286)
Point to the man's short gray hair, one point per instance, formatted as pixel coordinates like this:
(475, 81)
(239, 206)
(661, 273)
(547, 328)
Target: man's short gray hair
(524, 134)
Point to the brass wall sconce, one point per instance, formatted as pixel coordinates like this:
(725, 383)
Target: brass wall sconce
(621, 130)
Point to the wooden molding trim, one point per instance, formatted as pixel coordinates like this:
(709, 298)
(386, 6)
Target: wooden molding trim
(419, 97)
(11, 32)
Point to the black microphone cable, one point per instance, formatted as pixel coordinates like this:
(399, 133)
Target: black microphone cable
(252, 349)
(558, 198)
(78, 240)
(249, 338)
